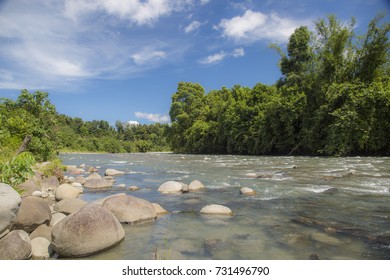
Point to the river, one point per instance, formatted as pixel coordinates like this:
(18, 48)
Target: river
(330, 208)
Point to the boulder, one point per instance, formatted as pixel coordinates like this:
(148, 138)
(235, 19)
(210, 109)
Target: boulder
(77, 171)
(56, 217)
(122, 186)
(98, 184)
(247, 191)
(42, 231)
(49, 184)
(129, 209)
(196, 185)
(29, 187)
(171, 187)
(93, 176)
(16, 245)
(133, 188)
(9, 206)
(66, 191)
(90, 230)
(40, 248)
(113, 172)
(80, 179)
(159, 210)
(33, 212)
(69, 205)
(102, 200)
(216, 209)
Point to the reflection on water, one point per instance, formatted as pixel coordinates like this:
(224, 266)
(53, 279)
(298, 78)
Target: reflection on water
(334, 208)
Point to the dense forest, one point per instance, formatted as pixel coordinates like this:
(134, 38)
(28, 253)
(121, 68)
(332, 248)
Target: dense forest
(33, 114)
(333, 99)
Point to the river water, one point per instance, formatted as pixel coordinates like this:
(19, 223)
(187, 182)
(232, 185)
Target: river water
(330, 208)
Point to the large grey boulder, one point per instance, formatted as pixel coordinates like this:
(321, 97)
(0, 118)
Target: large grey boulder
(93, 176)
(66, 191)
(196, 185)
(113, 172)
(16, 245)
(171, 187)
(33, 212)
(129, 209)
(216, 209)
(40, 248)
(9, 206)
(69, 205)
(90, 230)
(98, 184)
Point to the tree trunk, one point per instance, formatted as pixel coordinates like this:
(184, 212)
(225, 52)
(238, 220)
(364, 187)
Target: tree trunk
(24, 145)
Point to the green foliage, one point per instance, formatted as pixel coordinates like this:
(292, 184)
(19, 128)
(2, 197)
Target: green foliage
(17, 170)
(333, 99)
(52, 168)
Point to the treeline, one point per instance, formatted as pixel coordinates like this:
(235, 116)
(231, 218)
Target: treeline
(333, 99)
(33, 114)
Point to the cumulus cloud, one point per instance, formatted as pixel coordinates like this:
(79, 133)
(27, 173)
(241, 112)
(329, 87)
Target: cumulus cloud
(194, 25)
(153, 117)
(218, 57)
(254, 26)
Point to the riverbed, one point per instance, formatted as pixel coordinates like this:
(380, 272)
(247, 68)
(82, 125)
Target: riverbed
(304, 207)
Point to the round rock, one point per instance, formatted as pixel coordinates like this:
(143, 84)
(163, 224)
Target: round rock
(90, 230)
(69, 205)
(196, 185)
(171, 187)
(129, 209)
(16, 245)
(40, 248)
(247, 191)
(9, 206)
(33, 212)
(66, 191)
(216, 209)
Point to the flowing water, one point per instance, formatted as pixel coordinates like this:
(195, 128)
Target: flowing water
(334, 208)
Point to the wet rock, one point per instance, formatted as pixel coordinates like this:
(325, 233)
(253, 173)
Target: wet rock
(159, 210)
(196, 185)
(129, 209)
(326, 239)
(66, 191)
(113, 172)
(33, 212)
(16, 245)
(171, 187)
(214, 244)
(133, 188)
(9, 206)
(169, 254)
(247, 191)
(98, 184)
(40, 248)
(192, 201)
(382, 239)
(186, 246)
(69, 205)
(216, 209)
(42, 231)
(90, 230)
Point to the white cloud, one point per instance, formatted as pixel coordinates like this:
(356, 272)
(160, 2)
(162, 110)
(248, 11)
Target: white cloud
(218, 57)
(254, 26)
(204, 2)
(153, 117)
(148, 55)
(137, 11)
(194, 25)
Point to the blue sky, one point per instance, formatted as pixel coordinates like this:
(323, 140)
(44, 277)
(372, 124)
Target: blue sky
(122, 59)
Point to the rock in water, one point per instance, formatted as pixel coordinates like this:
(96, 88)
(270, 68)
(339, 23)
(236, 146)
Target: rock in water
(16, 245)
(113, 172)
(66, 191)
(216, 209)
(9, 206)
(33, 212)
(247, 191)
(129, 209)
(159, 210)
(90, 230)
(196, 185)
(98, 184)
(171, 187)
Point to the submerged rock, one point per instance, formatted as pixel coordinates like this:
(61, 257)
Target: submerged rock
(90, 230)
(216, 209)
(16, 245)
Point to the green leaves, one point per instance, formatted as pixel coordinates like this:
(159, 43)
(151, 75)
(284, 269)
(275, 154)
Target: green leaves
(17, 170)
